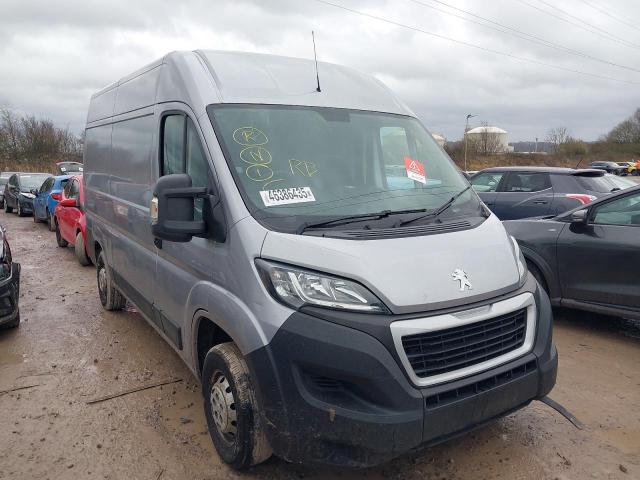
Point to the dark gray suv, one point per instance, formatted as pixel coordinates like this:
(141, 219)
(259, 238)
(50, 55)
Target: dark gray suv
(522, 192)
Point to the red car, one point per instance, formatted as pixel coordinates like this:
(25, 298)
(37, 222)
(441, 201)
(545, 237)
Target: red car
(70, 221)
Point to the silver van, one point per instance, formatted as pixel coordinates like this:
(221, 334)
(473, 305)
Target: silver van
(313, 256)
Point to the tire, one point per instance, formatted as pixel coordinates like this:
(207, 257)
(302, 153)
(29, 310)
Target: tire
(35, 217)
(81, 253)
(51, 223)
(1, 204)
(61, 241)
(13, 323)
(537, 274)
(110, 298)
(231, 408)
(19, 209)
(7, 208)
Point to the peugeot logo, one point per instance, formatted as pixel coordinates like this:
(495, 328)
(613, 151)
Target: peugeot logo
(459, 275)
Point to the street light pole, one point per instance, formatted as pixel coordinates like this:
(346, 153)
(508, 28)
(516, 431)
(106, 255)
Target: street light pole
(466, 127)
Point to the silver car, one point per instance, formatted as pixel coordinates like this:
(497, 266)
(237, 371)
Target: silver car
(312, 255)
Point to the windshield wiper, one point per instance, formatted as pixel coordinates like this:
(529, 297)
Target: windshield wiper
(438, 211)
(334, 222)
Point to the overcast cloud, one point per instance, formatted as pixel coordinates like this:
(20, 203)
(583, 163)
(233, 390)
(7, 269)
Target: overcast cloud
(54, 55)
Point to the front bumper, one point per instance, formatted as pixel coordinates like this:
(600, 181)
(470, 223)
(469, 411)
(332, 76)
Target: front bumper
(337, 395)
(26, 204)
(9, 294)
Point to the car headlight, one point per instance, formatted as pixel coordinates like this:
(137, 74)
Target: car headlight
(27, 195)
(520, 261)
(297, 287)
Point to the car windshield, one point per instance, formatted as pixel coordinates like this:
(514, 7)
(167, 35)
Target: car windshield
(298, 165)
(32, 181)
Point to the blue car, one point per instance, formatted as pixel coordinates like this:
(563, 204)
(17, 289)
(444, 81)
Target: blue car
(47, 198)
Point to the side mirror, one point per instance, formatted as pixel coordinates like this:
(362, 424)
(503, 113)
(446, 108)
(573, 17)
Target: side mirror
(580, 216)
(34, 192)
(172, 208)
(68, 202)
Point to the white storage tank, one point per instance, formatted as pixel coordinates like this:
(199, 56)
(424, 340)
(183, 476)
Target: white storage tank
(489, 139)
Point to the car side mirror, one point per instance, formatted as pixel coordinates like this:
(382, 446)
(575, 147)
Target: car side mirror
(34, 192)
(68, 202)
(172, 208)
(580, 216)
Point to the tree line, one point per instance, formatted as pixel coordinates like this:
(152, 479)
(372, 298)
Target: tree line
(28, 143)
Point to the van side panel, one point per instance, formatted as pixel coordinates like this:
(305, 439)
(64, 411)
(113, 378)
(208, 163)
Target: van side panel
(97, 158)
(101, 105)
(137, 93)
(133, 252)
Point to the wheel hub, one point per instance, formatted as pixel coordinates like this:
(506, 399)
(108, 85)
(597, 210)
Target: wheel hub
(223, 407)
(102, 279)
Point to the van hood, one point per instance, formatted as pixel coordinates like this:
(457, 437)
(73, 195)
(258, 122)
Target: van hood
(410, 274)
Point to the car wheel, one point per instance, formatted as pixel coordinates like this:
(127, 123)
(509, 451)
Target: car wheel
(51, 222)
(61, 241)
(35, 217)
(13, 323)
(110, 297)
(19, 209)
(1, 204)
(231, 410)
(81, 253)
(7, 208)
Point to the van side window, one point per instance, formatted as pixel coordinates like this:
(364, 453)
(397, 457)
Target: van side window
(182, 153)
(173, 144)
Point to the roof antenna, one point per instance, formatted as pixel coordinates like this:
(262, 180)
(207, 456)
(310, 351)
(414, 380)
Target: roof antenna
(316, 59)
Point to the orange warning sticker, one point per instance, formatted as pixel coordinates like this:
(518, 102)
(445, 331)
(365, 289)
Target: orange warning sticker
(415, 170)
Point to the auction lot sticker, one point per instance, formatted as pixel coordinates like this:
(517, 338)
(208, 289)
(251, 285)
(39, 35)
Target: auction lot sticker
(284, 196)
(415, 170)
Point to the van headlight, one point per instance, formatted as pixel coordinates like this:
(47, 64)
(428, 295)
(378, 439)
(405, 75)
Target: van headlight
(297, 287)
(520, 261)
(27, 195)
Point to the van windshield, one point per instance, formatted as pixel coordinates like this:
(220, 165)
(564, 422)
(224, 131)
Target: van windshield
(298, 165)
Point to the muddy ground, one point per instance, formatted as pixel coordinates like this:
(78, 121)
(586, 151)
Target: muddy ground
(68, 351)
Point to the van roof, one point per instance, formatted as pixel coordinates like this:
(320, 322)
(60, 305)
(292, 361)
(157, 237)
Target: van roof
(205, 77)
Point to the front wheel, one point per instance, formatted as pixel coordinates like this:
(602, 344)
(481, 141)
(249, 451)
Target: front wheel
(7, 208)
(231, 409)
(19, 210)
(110, 297)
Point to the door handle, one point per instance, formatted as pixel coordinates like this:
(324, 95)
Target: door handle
(540, 202)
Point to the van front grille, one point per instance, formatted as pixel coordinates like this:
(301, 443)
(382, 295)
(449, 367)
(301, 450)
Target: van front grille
(442, 351)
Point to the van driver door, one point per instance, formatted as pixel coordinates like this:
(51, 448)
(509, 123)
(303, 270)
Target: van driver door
(181, 265)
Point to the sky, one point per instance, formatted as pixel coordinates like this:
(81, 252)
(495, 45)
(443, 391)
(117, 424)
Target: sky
(54, 55)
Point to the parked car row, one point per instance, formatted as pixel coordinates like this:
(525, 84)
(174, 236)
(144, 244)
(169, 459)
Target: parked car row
(56, 200)
(522, 192)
